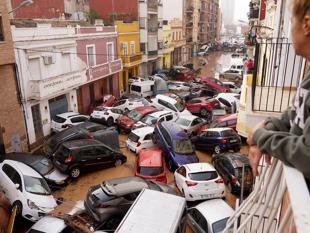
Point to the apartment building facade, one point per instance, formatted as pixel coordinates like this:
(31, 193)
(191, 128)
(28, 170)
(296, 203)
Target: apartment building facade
(151, 35)
(167, 45)
(181, 53)
(12, 126)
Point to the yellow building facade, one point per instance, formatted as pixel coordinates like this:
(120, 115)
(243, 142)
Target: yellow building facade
(167, 47)
(129, 51)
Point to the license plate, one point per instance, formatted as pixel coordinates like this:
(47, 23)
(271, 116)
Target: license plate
(208, 196)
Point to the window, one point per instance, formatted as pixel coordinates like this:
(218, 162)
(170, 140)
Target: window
(132, 47)
(148, 137)
(110, 51)
(199, 219)
(124, 48)
(182, 171)
(169, 117)
(78, 119)
(1, 29)
(143, 47)
(135, 88)
(91, 56)
(194, 101)
(142, 23)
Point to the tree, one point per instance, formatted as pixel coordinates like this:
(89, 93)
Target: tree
(92, 15)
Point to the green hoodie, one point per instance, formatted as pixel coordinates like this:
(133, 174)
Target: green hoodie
(288, 138)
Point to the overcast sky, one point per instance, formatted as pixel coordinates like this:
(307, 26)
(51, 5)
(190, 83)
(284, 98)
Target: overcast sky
(173, 8)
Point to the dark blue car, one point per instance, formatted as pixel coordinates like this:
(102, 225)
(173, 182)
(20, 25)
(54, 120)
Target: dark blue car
(217, 140)
(175, 143)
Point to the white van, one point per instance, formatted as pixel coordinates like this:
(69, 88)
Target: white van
(170, 104)
(143, 89)
(155, 211)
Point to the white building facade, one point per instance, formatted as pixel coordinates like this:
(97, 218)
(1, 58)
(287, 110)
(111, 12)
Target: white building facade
(151, 35)
(49, 73)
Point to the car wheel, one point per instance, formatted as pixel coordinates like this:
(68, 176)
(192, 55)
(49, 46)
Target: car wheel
(118, 162)
(110, 121)
(75, 172)
(217, 149)
(19, 208)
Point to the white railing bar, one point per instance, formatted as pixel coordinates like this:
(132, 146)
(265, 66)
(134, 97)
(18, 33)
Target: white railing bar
(285, 219)
(299, 198)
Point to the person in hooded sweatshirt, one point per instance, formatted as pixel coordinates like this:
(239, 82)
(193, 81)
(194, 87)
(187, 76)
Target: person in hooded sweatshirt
(288, 138)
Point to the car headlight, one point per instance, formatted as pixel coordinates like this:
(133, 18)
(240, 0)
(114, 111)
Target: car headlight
(32, 205)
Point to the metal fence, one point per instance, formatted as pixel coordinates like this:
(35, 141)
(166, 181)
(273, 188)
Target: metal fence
(277, 74)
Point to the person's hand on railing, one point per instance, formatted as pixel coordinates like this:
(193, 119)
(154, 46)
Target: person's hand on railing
(254, 157)
(251, 133)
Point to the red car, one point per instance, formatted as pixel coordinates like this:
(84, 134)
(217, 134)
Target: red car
(182, 73)
(106, 101)
(126, 122)
(150, 164)
(202, 105)
(215, 84)
(229, 121)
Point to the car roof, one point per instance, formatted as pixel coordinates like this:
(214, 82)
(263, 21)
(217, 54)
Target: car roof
(228, 117)
(214, 210)
(199, 167)
(174, 130)
(145, 109)
(143, 83)
(166, 98)
(189, 117)
(23, 168)
(143, 130)
(218, 129)
(49, 224)
(68, 114)
(81, 143)
(236, 159)
(160, 113)
(150, 157)
(124, 185)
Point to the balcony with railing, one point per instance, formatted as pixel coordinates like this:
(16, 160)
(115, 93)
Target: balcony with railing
(279, 203)
(152, 6)
(132, 60)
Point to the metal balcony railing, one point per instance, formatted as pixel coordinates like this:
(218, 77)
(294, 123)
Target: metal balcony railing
(279, 203)
(277, 74)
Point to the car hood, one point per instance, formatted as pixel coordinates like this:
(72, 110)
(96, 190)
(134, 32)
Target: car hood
(185, 159)
(165, 188)
(124, 120)
(45, 203)
(56, 176)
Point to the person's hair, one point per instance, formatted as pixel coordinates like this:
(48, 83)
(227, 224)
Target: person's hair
(300, 8)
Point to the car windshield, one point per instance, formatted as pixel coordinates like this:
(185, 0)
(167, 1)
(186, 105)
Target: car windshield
(183, 147)
(202, 176)
(184, 122)
(134, 115)
(149, 120)
(59, 119)
(220, 225)
(133, 137)
(44, 166)
(36, 185)
(179, 106)
(150, 171)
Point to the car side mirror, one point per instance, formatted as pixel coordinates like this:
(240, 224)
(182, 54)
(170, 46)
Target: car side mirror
(17, 186)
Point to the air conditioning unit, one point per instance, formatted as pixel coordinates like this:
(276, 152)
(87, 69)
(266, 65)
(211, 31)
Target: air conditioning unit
(49, 59)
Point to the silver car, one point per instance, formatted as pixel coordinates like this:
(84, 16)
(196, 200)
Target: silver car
(114, 197)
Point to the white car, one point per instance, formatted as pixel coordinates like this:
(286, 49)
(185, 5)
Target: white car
(26, 189)
(231, 99)
(130, 104)
(139, 139)
(153, 118)
(209, 216)
(199, 181)
(176, 86)
(233, 88)
(106, 115)
(64, 120)
(170, 104)
(190, 123)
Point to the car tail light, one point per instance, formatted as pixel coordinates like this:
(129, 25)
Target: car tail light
(69, 159)
(101, 206)
(190, 183)
(219, 181)
(233, 179)
(106, 113)
(222, 140)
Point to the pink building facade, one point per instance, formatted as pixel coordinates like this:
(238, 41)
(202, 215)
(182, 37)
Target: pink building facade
(97, 47)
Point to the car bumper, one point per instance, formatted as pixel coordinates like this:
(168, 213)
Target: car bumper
(195, 195)
(34, 215)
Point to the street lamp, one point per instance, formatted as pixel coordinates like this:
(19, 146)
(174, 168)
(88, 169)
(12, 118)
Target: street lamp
(23, 3)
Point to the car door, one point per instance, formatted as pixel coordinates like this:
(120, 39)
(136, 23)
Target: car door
(87, 157)
(193, 106)
(196, 221)
(180, 175)
(147, 141)
(104, 156)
